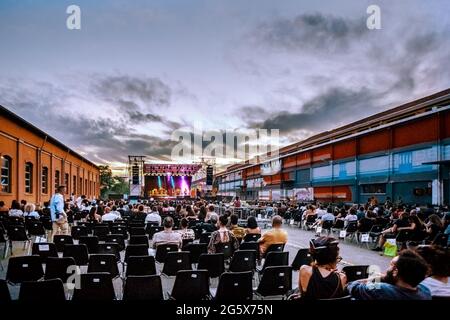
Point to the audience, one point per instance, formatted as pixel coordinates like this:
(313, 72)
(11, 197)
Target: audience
(238, 231)
(153, 216)
(184, 231)
(439, 270)
(167, 235)
(401, 282)
(15, 210)
(30, 211)
(321, 280)
(252, 226)
(223, 235)
(276, 235)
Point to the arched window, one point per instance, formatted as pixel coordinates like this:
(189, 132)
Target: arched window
(28, 177)
(6, 174)
(44, 180)
(57, 177)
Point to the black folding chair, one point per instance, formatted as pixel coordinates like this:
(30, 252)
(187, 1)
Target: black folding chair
(140, 266)
(354, 273)
(252, 237)
(35, 228)
(191, 286)
(59, 268)
(101, 231)
(139, 231)
(78, 231)
(119, 230)
(42, 291)
(109, 248)
(235, 286)
(275, 259)
(303, 257)
(95, 287)
(163, 249)
(214, 263)
(17, 233)
(116, 238)
(243, 260)
(154, 229)
(91, 243)
(61, 240)
(103, 263)
(176, 261)
(44, 250)
(275, 281)
(205, 237)
(225, 248)
(138, 239)
(195, 250)
(185, 244)
(251, 245)
(79, 252)
(143, 288)
(24, 268)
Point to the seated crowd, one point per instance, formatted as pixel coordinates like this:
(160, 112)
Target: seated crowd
(418, 273)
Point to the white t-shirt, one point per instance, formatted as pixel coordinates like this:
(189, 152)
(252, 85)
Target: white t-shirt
(15, 213)
(153, 217)
(437, 287)
(109, 217)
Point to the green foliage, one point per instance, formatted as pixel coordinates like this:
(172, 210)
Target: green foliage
(112, 184)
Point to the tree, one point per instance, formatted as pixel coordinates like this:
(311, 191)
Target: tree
(111, 184)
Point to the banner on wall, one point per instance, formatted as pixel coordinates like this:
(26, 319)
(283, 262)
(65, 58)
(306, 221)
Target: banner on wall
(304, 194)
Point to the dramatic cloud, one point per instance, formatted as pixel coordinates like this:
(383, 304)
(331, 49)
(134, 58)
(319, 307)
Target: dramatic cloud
(315, 32)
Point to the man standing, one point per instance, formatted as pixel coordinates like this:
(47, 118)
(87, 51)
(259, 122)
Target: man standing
(58, 216)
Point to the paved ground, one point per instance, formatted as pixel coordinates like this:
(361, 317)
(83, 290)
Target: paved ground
(351, 253)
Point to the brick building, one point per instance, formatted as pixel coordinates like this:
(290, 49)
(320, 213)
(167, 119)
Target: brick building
(34, 163)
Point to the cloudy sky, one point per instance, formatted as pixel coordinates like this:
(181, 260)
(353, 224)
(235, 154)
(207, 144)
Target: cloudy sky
(138, 70)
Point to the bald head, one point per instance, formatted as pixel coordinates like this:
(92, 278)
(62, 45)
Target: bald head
(277, 221)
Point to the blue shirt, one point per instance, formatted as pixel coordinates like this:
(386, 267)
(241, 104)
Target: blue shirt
(386, 291)
(56, 206)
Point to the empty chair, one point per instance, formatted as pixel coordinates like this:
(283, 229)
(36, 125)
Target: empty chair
(351, 229)
(17, 233)
(103, 263)
(176, 261)
(276, 281)
(120, 230)
(185, 244)
(42, 291)
(163, 249)
(44, 250)
(356, 272)
(78, 231)
(275, 259)
(214, 263)
(135, 250)
(101, 231)
(243, 260)
(95, 287)
(140, 266)
(91, 243)
(139, 231)
(57, 268)
(252, 237)
(138, 239)
(303, 257)
(195, 250)
(116, 238)
(35, 228)
(4, 291)
(143, 288)
(327, 225)
(77, 251)
(25, 268)
(338, 225)
(205, 237)
(191, 286)
(109, 248)
(235, 286)
(61, 240)
(250, 246)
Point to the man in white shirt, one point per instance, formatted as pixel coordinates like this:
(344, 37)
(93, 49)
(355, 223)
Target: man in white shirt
(211, 213)
(167, 235)
(114, 211)
(153, 216)
(109, 216)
